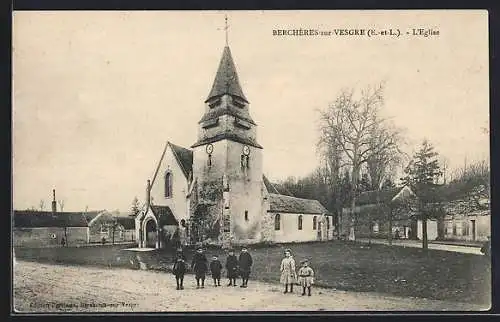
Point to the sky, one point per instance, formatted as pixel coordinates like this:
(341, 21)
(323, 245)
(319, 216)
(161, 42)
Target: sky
(97, 94)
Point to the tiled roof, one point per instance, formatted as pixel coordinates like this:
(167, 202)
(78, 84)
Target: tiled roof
(126, 222)
(227, 136)
(226, 80)
(33, 219)
(184, 157)
(375, 196)
(89, 215)
(165, 215)
(269, 186)
(288, 204)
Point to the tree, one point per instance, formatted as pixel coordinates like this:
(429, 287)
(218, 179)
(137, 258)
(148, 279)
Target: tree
(41, 204)
(351, 124)
(136, 207)
(422, 175)
(61, 204)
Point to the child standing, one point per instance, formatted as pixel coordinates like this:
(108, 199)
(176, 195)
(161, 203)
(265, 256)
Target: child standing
(199, 266)
(179, 269)
(232, 268)
(288, 274)
(306, 277)
(215, 269)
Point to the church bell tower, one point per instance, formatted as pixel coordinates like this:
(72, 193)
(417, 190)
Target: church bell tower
(226, 201)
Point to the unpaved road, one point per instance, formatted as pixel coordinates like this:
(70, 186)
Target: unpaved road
(60, 288)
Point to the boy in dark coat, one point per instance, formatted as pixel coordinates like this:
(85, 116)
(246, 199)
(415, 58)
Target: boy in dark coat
(215, 269)
(200, 267)
(179, 269)
(245, 264)
(232, 268)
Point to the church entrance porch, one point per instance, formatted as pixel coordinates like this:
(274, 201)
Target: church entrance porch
(150, 234)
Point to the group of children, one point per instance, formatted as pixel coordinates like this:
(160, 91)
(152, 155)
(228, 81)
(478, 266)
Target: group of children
(235, 267)
(241, 267)
(289, 274)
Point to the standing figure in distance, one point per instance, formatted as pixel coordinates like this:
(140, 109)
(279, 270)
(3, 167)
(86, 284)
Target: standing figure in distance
(179, 268)
(232, 268)
(245, 264)
(288, 274)
(215, 269)
(306, 277)
(200, 267)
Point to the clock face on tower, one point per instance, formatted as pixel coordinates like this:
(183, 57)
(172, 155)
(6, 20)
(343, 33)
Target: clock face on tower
(210, 148)
(246, 150)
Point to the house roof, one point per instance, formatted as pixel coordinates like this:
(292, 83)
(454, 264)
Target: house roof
(164, 215)
(90, 215)
(34, 219)
(226, 79)
(228, 136)
(375, 196)
(289, 204)
(183, 156)
(126, 222)
(276, 188)
(269, 186)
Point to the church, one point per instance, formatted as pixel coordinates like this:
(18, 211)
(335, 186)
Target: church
(214, 192)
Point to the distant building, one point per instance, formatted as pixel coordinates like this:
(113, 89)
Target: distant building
(108, 227)
(52, 228)
(215, 190)
(371, 216)
(468, 213)
(45, 228)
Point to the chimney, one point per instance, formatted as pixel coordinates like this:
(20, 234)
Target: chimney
(148, 195)
(54, 202)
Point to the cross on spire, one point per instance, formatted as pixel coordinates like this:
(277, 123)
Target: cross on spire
(226, 28)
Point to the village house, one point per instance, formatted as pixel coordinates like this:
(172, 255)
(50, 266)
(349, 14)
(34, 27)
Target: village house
(44, 228)
(215, 191)
(468, 214)
(110, 227)
(378, 210)
(33, 228)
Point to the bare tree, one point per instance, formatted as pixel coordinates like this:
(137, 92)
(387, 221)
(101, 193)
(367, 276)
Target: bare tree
(61, 204)
(41, 204)
(352, 124)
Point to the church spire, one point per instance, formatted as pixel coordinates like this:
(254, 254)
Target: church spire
(226, 80)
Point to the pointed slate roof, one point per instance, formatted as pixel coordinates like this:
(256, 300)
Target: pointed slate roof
(226, 80)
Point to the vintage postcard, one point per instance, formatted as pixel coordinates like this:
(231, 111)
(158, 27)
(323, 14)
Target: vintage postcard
(223, 161)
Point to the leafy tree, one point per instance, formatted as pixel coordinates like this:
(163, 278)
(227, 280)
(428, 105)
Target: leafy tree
(422, 175)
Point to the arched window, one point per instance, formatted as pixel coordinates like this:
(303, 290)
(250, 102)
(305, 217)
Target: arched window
(299, 224)
(168, 185)
(327, 222)
(315, 222)
(277, 222)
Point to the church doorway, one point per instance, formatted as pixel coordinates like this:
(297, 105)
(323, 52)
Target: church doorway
(151, 233)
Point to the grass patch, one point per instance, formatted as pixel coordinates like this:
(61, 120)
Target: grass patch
(409, 272)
